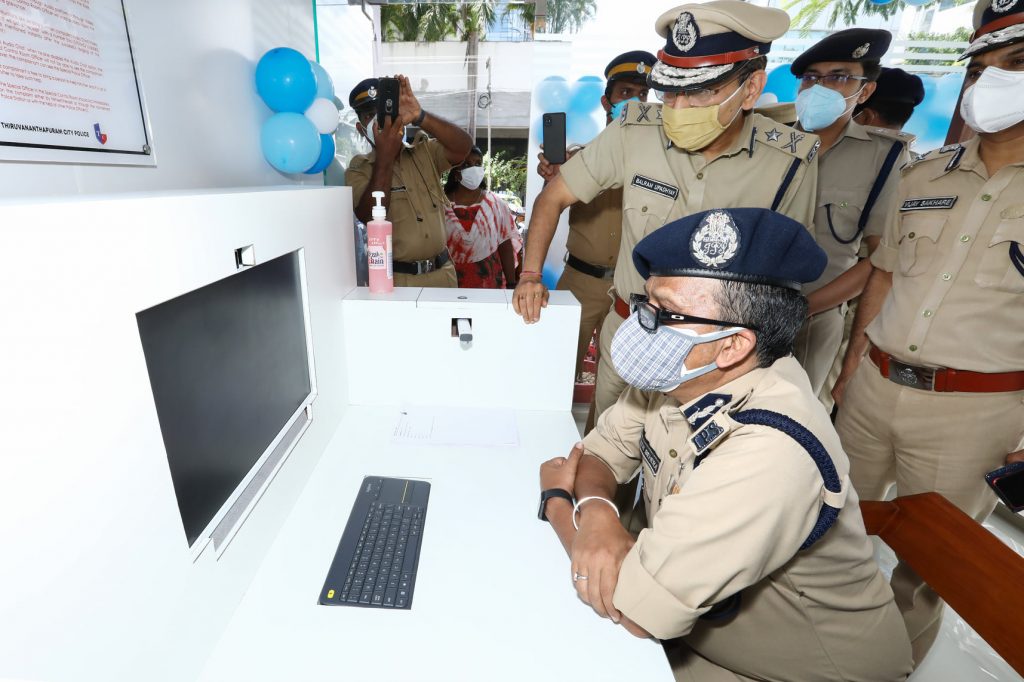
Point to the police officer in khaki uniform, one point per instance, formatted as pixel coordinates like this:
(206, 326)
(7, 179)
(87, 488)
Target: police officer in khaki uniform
(939, 399)
(409, 175)
(892, 104)
(595, 228)
(858, 174)
(702, 148)
(755, 554)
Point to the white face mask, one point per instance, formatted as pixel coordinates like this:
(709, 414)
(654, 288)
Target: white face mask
(368, 133)
(995, 102)
(471, 176)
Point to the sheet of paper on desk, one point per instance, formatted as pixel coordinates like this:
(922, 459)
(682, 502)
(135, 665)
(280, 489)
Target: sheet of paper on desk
(456, 426)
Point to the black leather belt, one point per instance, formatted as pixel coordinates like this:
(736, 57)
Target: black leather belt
(588, 269)
(422, 267)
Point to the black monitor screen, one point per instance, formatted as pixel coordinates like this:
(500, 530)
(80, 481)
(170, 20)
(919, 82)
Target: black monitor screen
(228, 365)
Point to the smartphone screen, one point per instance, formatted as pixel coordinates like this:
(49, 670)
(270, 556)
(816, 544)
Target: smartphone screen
(387, 100)
(1008, 484)
(553, 137)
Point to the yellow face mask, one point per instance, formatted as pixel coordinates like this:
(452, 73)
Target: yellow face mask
(694, 128)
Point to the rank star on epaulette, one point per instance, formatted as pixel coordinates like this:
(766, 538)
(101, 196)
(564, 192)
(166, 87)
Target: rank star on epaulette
(773, 135)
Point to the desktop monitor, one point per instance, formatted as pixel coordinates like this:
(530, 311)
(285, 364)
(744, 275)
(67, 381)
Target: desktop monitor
(230, 366)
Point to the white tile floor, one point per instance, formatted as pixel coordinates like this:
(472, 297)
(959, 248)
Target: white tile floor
(959, 654)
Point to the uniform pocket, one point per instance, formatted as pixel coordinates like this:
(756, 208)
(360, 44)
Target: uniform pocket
(997, 269)
(843, 208)
(919, 235)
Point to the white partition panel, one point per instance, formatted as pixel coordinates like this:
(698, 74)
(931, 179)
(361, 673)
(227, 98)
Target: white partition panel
(98, 582)
(401, 350)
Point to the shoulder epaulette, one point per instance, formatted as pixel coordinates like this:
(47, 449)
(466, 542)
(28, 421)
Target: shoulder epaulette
(786, 138)
(641, 113)
(783, 112)
(950, 155)
(889, 134)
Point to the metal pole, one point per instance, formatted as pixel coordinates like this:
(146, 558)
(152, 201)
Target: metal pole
(490, 103)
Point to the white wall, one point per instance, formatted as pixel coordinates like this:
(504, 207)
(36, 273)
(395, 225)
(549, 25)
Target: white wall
(97, 578)
(196, 60)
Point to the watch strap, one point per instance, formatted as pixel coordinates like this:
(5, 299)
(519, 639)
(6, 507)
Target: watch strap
(419, 119)
(547, 495)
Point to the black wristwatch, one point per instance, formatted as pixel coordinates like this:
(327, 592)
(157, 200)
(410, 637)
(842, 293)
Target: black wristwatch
(547, 495)
(419, 119)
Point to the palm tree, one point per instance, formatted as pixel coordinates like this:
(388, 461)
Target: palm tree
(846, 11)
(432, 22)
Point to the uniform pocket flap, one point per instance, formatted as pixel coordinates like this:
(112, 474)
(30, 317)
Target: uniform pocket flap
(916, 226)
(1011, 230)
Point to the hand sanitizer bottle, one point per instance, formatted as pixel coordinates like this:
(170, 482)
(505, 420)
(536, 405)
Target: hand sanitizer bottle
(378, 249)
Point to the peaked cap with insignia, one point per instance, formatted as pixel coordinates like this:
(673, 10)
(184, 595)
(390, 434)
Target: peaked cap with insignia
(996, 23)
(706, 43)
(851, 45)
(364, 94)
(636, 64)
(754, 245)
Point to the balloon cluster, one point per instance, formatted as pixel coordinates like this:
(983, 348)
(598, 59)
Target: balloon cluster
(299, 137)
(581, 102)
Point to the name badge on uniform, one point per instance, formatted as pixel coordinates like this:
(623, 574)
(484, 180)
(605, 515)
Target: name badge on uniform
(655, 186)
(928, 203)
(649, 455)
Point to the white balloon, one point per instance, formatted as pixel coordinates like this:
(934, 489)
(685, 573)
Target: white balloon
(766, 99)
(324, 115)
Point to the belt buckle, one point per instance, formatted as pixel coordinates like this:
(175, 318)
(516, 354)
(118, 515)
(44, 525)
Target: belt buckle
(425, 266)
(913, 377)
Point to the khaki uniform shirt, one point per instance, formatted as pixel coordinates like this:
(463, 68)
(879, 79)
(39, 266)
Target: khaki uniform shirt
(662, 183)
(957, 299)
(595, 229)
(417, 198)
(736, 523)
(846, 175)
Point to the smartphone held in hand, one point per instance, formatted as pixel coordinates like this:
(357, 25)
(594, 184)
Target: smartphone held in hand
(388, 90)
(553, 137)
(1008, 484)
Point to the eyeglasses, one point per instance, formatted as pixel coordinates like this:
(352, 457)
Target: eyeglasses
(695, 98)
(830, 80)
(651, 316)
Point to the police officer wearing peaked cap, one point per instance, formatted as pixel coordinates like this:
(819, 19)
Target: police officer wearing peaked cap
(754, 563)
(595, 228)
(409, 175)
(702, 148)
(858, 178)
(931, 396)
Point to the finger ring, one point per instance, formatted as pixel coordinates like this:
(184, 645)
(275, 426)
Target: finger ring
(576, 577)
(536, 295)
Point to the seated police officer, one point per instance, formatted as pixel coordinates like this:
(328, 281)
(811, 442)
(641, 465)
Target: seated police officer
(755, 555)
(409, 175)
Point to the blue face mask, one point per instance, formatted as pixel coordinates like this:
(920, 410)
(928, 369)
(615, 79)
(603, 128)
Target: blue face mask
(619, 106)
(818, 107)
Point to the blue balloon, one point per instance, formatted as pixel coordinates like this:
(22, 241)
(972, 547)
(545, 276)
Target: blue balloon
(917, 3)
(585, 96)
(285, 80)
(782, 83)
(550, 277)
(326, 155)
(880, 2)
(553, 94)
(324, 84)
(581, 128)
(932, 116)
(290, 142)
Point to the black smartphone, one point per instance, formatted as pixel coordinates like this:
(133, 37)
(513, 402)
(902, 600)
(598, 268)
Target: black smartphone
(387, 100)
(1008, 484)
(553, 136)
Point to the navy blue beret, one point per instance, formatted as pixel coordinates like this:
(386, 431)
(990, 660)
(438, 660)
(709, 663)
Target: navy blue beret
(896, 85)
(851, 45)
(636, 63)
(996, 24)
(364, 94)
(754, 245)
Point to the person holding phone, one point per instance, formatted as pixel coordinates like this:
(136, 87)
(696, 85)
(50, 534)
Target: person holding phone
(595, 227)
(754, 563)
(409, 174)
(702, 147)
(931, 394)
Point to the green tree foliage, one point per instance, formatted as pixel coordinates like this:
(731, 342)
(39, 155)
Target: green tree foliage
(564, 16)
(961, 35)
(508, 173)
(842, 11)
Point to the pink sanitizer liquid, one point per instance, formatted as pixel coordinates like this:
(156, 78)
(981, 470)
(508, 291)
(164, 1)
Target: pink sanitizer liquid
(378, 249)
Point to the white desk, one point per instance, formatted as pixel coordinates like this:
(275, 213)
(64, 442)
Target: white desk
(493, 597)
